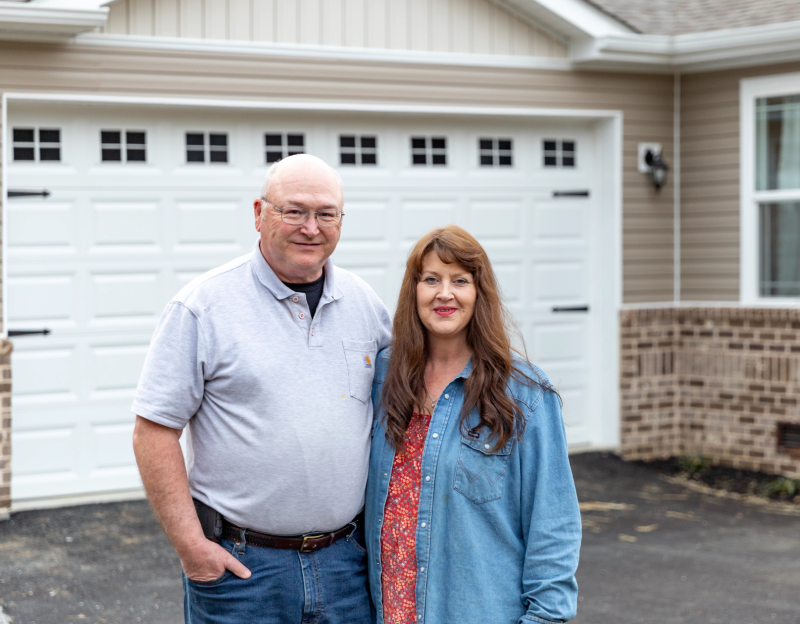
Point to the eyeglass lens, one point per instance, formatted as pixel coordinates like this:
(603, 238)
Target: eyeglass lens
(296, 216)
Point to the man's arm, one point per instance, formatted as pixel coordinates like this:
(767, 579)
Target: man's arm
(160, 459)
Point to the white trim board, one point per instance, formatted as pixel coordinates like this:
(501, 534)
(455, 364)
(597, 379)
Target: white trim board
(79, 499)
(751, 89)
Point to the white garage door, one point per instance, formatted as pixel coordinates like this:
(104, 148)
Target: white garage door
(145, 199)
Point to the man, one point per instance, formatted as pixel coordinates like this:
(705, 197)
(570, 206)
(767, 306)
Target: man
(269, 361)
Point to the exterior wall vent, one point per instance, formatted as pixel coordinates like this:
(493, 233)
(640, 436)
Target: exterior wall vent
(789, 437)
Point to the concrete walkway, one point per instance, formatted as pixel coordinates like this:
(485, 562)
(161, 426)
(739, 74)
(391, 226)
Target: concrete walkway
(653, 553)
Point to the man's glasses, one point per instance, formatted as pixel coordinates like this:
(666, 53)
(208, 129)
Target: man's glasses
(292, 215)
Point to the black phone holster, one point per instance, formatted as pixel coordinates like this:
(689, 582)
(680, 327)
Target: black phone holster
(210, 520)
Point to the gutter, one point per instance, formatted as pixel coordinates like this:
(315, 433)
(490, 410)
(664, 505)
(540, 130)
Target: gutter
(738, 47)
(26, 20)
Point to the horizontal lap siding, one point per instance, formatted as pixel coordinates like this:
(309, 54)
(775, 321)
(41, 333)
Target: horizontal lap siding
(710, 182)
(646, 102)
(465, 26)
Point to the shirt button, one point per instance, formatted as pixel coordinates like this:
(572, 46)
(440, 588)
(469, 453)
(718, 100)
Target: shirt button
(422, 569)
(446, 396)
(385, 474)
(486, 446)
(295, 299)
(312, 332)
(302, 315)
(427, 478)
(435, 435)
(423, 525)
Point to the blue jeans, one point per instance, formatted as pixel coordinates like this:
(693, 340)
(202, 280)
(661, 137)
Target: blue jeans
(286, 587)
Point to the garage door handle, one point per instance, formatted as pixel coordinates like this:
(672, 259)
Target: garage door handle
(570, 193)
(27, 332)
(42, 193)
(571, 309)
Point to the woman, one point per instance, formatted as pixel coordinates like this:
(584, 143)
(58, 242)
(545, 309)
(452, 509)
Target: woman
(471, 512)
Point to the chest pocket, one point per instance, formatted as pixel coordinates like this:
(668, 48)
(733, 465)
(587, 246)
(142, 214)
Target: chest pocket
(481, 471)
(360, 357)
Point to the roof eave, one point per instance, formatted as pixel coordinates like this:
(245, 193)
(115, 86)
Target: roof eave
(34, 20)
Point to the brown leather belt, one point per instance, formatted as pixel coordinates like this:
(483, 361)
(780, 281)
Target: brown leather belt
(304, 543)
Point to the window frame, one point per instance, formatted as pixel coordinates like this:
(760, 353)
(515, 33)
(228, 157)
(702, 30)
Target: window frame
(207, 148)
(37, 145)
(123, 146)
(750, 90)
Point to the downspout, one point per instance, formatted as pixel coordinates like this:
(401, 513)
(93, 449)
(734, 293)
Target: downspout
(676, 189)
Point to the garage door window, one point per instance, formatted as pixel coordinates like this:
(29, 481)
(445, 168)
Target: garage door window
(358, 150)
(558, 153)
(113, 149)
(426, 151)
(204, 147)
(495, 152)
(32, 144)
(281, 145)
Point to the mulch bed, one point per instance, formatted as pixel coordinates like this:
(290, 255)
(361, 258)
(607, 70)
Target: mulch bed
(746, 482)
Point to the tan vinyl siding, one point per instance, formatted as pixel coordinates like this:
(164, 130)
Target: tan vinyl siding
(465, 26)
(646, 103)
(710, 182)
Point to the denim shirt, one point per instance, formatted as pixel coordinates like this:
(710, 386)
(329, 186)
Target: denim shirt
(498, 532)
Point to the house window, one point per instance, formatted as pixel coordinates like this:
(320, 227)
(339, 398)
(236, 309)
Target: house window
(123, 146)
(358, 150)
(427, 151)
(281, 145)
(778, 171)
(495, 152)
(32, 144)
(204, 147)
(558, 153)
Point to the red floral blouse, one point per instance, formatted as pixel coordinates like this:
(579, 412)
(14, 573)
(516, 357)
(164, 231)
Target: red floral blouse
(398, 536)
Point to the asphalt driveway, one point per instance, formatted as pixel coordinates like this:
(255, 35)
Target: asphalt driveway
(653, 553)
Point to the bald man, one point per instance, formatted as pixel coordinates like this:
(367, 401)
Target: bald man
(268, 362)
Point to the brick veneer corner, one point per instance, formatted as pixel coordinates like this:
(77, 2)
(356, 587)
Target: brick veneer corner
(5, 427)
(710, 381)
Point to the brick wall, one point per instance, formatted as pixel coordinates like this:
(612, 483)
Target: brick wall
(710, 381)
(5, 428)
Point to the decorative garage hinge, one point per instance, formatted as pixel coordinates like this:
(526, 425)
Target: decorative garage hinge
(42, 193)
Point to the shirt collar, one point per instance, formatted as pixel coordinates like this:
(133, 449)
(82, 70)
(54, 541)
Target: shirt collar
(466, 372)
(281, 291)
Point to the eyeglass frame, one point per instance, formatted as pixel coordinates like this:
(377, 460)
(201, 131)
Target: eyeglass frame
(308, 214)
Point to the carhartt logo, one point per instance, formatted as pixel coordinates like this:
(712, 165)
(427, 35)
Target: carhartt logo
(367, 362)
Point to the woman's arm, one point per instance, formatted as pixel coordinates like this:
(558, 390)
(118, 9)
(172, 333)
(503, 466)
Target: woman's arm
(551, 518)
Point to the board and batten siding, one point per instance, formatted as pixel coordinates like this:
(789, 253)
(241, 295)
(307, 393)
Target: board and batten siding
(710, 199)
(646, 103)
(465, 26)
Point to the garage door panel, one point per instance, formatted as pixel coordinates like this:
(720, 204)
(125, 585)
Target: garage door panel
(420, 217)
(112, 447)
(560, 342)
(118, 227)
(121, 297)
(559, 282)
(212, 226)
(365, 221)
(509, 277)
(45, 374)
(115, 369)
(559, 223)
(41, 298)
(497, 221)
(43, 455)
(42, 227)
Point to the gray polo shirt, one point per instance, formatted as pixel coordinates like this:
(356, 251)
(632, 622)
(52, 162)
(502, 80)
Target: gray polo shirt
(277, 404)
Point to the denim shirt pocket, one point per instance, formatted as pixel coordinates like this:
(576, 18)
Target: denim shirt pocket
(360, 358)
(481, 470)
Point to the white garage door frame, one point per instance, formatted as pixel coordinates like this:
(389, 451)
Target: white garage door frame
(607, 183)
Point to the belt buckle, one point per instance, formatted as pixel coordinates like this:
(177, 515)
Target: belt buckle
(308, 537)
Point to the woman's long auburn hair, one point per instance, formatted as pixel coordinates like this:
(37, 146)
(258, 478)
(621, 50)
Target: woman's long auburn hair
(487, 337)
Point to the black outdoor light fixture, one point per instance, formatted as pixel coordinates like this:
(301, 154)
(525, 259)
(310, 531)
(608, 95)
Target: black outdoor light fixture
(658, 168)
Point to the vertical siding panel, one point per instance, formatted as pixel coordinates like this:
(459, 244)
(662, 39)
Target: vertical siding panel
(191, 18)
(117, 23)
(240, 20)
(377, 24)
(559, 49)
(398, 24)
(354, 23)
(141, 16)
(502, 31)
(461, 11)
(264, 20)
(310, 22)
(441, 36)
(216, 19)
(481, 28)
(542, 45)
(332, 22)
(287, 21)
(420, 25)
(520, 38)
(167, 18)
